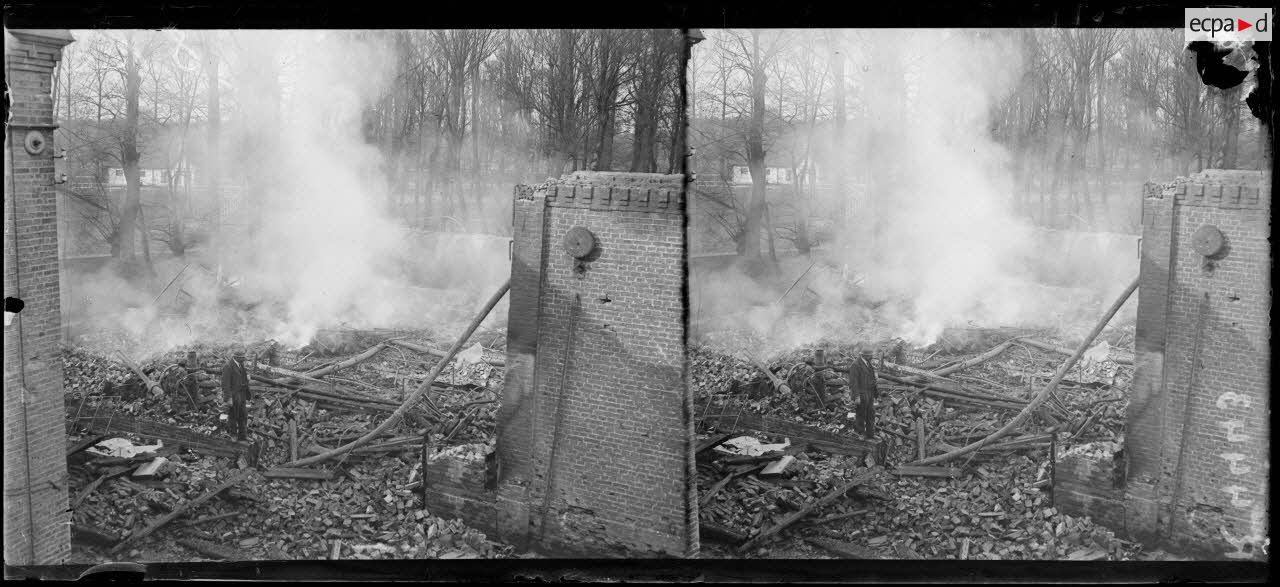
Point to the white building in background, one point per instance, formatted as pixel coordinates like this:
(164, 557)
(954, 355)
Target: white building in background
(147, 177)
(782, 175)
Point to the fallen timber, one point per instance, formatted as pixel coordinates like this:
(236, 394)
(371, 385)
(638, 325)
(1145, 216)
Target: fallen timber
(207, 548)
(804, 511)
(496, 362)
(86, 534)
(151, 386)
(845, 549)
(182, 509)
(710, 531)
(1066, 351)
(103, 478)
(416, 396)
(117, 423)
(937, 391)
(777, 382)
(982, 358)
(724, 482)
(92, 440)
(341, 398)
(1045, 392)
(829, 442)
(355, 360)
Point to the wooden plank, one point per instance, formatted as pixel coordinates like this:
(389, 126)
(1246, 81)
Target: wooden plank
(151, 386)
(92, 440)
(804, 511)
(711, 443)
(835, 518)
(88, 490)
(925, 471)
(1091, 554)
(982, 358)
(768, 457)
(778, 383)
(845, 549)
(721, 484)
(1068, 352)
(921, 446)
(297, 473)
(148, 470)
(1010, 405)
(709, 531)
(209, 549)
(293, 438)
(496, 362)
(182, 509)
(86, 534)
(173, 436)
(205, 519)
(778, 466)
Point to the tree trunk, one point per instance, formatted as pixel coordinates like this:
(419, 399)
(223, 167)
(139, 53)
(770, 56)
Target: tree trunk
(129, 157)
(211, 158)
(841, 179)
(1102, 150)
(756, 153)
(649, 94)
(475, 125)
(1231, 124)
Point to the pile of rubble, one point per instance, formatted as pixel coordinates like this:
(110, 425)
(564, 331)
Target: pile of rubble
(202, 495)
(993, 503)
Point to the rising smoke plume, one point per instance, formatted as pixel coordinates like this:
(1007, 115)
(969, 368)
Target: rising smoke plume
(324, 251)
(947, 249)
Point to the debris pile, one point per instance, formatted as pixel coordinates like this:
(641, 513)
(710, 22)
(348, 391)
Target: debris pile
(364, 504)
(992, 503)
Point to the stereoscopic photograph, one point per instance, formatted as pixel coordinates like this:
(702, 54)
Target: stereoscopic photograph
(989, 294)
(757, 296)
(343, 294)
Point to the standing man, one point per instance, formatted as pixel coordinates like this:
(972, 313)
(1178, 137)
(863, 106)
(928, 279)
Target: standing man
(235, 388)
(862, 388)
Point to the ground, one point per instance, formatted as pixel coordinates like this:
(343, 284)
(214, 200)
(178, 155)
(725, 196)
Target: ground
(999, 507)
(371, 508)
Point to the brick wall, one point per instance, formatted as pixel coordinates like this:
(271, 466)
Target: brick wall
(595, 426)
(455, 488)
(1089, 481)
(36, 523)
(1198, 431)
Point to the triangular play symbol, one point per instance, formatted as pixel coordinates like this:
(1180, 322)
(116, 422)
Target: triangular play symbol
(1243, 24)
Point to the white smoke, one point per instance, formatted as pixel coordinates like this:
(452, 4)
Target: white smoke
(328, 251)
(949, 232)
(950, 250)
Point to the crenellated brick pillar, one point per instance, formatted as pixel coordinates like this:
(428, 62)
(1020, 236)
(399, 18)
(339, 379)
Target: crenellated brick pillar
(1194, 469)
(612, 469)
(1198, 423)
(594, 453)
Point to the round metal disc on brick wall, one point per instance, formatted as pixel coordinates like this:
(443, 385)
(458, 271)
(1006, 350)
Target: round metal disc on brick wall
(1207, 240)
(34, 142)
(578, 242)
